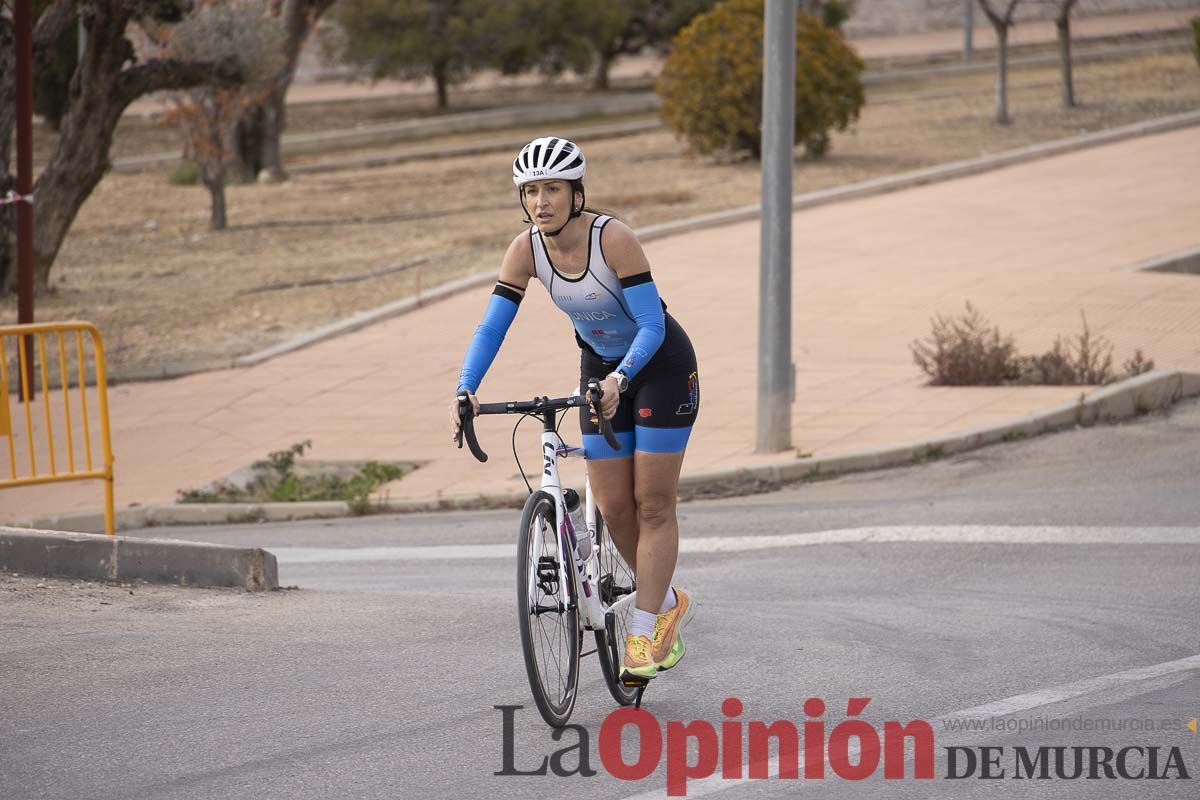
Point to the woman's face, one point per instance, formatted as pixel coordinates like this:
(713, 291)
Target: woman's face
(548, 202)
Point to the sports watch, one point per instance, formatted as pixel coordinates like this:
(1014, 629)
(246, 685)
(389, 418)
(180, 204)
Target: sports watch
(621, 379)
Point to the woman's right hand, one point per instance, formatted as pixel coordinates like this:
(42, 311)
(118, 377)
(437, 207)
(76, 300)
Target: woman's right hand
(455, 420)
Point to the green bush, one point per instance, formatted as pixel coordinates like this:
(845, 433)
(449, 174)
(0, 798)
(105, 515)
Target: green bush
(185, 174)
(834, 13)
(711, 84)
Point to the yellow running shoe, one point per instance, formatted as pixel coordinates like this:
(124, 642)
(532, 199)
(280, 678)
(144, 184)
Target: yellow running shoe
(668, 646)
(638, 661)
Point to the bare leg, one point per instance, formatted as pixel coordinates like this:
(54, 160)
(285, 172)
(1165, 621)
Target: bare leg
(655, 489)
(612, 483)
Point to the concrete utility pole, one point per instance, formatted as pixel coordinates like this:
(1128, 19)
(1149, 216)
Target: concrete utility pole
(776, 375)
(968, 29)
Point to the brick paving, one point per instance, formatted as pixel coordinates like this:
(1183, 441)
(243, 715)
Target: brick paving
(1031, 246)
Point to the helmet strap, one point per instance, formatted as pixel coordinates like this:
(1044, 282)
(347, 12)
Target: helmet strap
(521, 197)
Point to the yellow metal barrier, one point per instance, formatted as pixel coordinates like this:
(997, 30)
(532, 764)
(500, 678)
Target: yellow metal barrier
(39, 439)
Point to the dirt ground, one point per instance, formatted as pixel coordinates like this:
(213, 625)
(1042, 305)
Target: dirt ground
(168, 293)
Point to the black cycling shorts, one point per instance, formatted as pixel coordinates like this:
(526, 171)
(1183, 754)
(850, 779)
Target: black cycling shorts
(657, 411)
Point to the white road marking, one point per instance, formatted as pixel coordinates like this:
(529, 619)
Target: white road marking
(1009, 705)
(920, 534)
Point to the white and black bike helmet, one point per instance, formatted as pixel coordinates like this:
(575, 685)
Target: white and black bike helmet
(550, 158)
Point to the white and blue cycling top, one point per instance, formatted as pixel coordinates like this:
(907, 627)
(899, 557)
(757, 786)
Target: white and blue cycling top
(617, 318)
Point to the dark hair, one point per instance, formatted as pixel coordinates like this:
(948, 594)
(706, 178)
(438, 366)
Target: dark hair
(577, 186)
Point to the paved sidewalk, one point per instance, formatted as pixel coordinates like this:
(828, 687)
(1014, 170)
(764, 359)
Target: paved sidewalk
(1031, 246)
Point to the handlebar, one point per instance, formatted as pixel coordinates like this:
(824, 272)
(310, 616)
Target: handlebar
(466, 414)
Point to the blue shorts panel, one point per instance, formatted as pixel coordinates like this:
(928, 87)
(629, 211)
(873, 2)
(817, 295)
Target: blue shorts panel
(594, 446)
(661, 440)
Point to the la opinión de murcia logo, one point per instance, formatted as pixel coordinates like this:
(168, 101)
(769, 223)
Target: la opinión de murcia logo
(1066, 763)
(854, 749)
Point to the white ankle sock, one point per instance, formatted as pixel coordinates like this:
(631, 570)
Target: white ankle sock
(669, 601)
(643, 623)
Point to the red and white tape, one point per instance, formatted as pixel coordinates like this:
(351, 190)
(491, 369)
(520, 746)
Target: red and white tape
(12, 197)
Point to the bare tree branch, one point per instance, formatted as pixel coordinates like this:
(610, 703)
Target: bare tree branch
(159, 74)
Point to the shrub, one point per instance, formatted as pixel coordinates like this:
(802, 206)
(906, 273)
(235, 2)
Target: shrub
(1138, 364)
(1082, 361)
(276, 481)
(834, 13)
(966, 351)
(185, 174)
(970, 351)
(711, 84)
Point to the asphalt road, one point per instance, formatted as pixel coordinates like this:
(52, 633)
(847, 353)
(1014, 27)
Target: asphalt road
(1039, 593)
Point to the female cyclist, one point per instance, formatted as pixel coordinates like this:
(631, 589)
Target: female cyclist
(594, 269)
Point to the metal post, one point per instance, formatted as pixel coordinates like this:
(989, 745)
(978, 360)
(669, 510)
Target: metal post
(23, 22)
(776, 376)
(968, 29)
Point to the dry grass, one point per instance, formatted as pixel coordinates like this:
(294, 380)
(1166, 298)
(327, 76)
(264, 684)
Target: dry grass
(141, 263)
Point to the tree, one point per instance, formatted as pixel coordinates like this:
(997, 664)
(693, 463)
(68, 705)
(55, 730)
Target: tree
(1001, 22)
(711, 85)
(832, 13)
(626, 27)
(208, 115)
(52, 77)
(442, 39)
(547, 35)
(1062, 24)
(261, 125)
(1196, 38)
(108, 79)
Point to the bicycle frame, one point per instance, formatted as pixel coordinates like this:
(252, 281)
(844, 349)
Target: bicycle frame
(583, 591)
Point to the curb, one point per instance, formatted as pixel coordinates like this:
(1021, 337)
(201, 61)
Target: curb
(469, 148)
(1153, 391)
(1168, 44)
(119, 558)
(1184, 261)
(837, 194)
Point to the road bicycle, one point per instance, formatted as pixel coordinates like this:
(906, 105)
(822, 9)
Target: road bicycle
(568, 581)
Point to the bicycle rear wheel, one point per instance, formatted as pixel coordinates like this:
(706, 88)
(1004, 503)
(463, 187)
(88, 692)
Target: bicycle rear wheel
(615, 582)
(549, 619)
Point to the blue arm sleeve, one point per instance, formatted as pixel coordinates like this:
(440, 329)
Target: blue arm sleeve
(501, 311)
(641, 295)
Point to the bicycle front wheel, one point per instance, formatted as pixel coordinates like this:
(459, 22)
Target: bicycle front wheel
(616, 582)
(549, 619)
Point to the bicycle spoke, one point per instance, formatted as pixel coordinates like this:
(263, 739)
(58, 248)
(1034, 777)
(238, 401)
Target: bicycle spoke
(549, 629)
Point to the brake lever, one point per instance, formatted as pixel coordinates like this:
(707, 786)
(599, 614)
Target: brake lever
(466, 416)
(594, 395)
